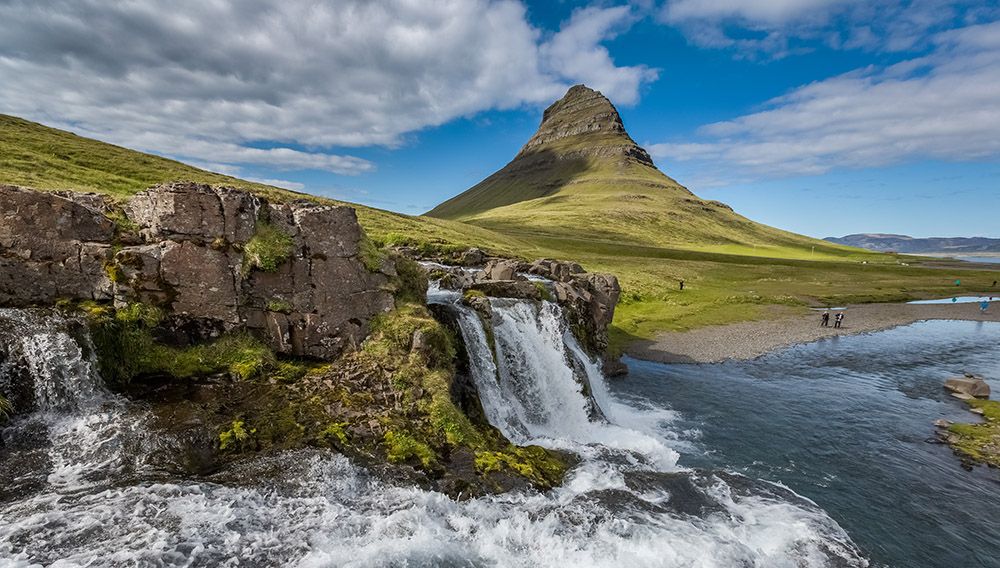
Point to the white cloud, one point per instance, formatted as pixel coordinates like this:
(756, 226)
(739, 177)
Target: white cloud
(207, 80)
(944, 106)
(777, 28)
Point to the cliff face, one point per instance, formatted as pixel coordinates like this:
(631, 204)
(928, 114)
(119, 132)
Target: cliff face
(214, 259)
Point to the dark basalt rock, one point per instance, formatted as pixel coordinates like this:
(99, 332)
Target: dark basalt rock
(181, 248)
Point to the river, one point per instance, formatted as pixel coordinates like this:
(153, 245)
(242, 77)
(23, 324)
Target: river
(763, 464)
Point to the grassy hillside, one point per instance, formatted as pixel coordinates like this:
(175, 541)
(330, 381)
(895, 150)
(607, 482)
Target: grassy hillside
(727, 279)
(34, 155)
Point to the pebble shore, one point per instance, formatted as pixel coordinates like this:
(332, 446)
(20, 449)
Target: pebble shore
(749, 340)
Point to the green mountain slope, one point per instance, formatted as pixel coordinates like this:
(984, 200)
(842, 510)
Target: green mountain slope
(582, 175)
(34, 155)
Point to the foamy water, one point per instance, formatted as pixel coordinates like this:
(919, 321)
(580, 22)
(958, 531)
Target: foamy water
(626, 504)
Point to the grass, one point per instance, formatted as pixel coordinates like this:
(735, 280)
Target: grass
(980, 442)
(267, 249)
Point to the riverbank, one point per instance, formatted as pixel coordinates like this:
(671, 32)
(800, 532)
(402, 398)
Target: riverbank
(786, 326)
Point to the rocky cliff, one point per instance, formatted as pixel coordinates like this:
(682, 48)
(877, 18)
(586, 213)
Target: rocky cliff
(214, 259)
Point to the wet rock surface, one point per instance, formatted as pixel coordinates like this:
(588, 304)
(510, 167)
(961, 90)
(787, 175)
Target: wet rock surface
(184, 247)
(968, 386)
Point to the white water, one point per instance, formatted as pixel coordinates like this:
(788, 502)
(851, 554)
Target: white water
(626, 504)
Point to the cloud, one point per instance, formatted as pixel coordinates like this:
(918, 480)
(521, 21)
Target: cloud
(283, 84)
(777, 28)
(943, 106)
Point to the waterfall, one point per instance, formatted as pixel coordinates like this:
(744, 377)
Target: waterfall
(49, 361)
(40, 347)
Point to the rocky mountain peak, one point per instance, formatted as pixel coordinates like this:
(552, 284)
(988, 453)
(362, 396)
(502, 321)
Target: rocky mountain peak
(584, 117)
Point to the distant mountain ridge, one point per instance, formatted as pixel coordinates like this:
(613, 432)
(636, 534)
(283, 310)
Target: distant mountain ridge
(882, 242)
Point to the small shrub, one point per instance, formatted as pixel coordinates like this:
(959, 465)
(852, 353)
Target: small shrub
(268, 249)
(237, 438)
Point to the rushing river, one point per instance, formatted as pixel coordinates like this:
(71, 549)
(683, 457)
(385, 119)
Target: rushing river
(715, 465)
(846, 422)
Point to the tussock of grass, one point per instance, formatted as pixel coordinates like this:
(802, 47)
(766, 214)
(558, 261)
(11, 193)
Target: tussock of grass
(268, 249)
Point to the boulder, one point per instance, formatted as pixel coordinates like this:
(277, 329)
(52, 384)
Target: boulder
(472, 257)
(502, 269)
(971, 386)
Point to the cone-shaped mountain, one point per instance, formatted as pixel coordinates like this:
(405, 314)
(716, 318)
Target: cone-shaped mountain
(582, 175)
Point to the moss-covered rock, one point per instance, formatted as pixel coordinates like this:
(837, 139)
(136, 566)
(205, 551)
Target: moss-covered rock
(978, 443)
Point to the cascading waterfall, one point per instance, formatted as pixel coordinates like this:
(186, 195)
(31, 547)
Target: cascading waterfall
(85, 425)
(626, 504)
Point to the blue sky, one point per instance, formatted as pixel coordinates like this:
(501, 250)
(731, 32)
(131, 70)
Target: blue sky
(825, 117)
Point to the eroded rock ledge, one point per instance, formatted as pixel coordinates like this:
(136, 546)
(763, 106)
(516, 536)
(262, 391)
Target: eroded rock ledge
(301, 276)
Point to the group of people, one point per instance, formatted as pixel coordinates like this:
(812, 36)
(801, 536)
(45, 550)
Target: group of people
(837, 320)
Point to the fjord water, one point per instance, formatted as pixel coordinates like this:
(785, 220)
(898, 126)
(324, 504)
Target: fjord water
(81, 493)
(847, 423)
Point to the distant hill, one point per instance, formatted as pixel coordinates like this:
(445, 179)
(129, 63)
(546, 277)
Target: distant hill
(909, 245)
(582, 175)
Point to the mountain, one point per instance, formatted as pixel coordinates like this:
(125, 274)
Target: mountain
(581, 174)
(38, 156)
(881, 242)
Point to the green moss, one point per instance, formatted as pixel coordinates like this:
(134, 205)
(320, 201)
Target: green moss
(280, 306)
(125, 348)
(531, 462)
(238, 438)
(980, 442)
(472, 293)
(122, 223)
(114, 272)
(543, 291)
(401, 447)
(240, 354)
(268, 249)
(335, 433)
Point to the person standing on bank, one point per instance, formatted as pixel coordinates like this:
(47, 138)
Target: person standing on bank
(839, 320)
(682, 284)
(825, 320)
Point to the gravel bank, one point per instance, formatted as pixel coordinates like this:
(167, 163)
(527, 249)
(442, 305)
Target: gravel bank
(748, 340)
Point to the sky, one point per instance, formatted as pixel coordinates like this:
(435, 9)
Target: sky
(824, 117)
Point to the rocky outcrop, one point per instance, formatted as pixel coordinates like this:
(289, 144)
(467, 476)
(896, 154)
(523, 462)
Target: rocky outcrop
(584, 111)
(196, 251)
(968, 386)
